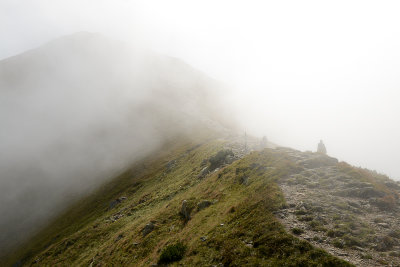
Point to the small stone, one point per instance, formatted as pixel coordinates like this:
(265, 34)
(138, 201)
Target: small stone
(204, 172)
(119, 237)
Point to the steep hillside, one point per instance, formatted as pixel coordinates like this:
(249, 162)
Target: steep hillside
(77, 110)
(199, 203)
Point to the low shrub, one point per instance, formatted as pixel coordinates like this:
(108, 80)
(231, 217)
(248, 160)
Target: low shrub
(331, 233)
(297, 231)
(172, 253)
(388, 202)
(300, 212)
(308, 218)
(351, 241)
(314, 224)
(338, 243)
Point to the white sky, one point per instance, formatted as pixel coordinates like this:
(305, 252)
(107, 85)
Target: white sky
(301, 70)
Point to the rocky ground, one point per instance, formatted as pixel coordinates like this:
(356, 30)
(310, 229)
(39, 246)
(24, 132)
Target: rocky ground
(342, 213)
(336, 211)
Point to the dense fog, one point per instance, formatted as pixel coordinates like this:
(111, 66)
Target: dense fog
(298, 71)
(78, 110)
(77, 107)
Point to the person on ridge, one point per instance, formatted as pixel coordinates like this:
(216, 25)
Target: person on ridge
(264, 142)
(321, 148)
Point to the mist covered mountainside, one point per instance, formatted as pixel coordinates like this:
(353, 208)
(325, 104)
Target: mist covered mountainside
(223, 202)
(116, 155)
(77, 110)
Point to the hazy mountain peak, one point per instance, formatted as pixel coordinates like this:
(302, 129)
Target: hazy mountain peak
(81, 107)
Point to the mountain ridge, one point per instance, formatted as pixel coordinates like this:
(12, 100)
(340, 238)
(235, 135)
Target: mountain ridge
(151, 173)
(82, 107)
(242, 192)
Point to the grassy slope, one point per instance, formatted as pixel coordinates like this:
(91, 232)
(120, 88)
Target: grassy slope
(380, 183)
(250, 235)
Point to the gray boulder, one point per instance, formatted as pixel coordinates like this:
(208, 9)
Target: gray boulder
(229, 159)
(115, 202)
(148, 228)
(185, 210)
(203, 204)
(244, 180)
(204, 172)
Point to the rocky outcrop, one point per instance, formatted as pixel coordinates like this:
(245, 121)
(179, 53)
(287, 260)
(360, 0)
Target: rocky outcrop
(203, 204)
(185, 210)
(222, 158)
(148, 229)
(115, 202)
(203, 173)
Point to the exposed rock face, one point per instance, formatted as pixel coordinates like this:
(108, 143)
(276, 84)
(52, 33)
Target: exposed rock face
(115, 202)
(148, 228)
(203, 204)
(229, 159)
(203, 172)
(220, 159)
(185, 210)
(244, 180)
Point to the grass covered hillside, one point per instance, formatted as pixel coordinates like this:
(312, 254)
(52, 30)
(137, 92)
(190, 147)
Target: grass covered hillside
(193, 204)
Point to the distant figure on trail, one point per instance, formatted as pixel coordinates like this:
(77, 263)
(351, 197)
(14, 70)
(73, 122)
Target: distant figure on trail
(321, 148)
(264, 142)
